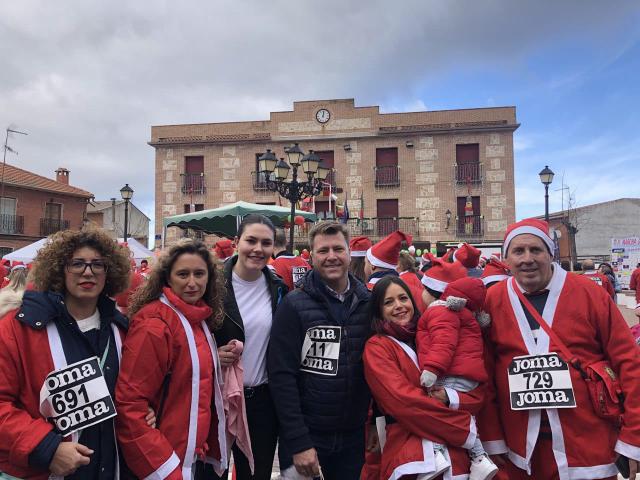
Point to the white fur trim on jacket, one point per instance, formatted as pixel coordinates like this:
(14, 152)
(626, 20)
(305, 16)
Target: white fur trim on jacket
(10, 300)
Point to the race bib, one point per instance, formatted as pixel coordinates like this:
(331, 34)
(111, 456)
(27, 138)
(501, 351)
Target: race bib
(540, 381)
(320, 350)
(76, 397)
(297, 273)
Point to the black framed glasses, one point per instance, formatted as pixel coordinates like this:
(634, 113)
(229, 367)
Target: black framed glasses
(78, 267)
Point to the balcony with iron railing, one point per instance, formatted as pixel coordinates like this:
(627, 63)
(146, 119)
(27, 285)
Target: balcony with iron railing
(466, 173)
(259, 181)
(471, 226)
(52, 225)
(11, 224)
(193, 183)
(387, 176)
(329, 183)
(193, 234)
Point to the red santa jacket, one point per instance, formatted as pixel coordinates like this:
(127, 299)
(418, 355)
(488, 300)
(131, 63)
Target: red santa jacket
(393, 376)
(170, 337)
(634, 284)
(590, 324)
(448, 338)
(416, 287)
(27, 356)
(602, 280)
(290, 268)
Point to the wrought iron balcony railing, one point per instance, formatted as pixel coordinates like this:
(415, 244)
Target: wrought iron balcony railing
(469, 173)
(52, 225)
(471, 226)
(193, 183)
(11, 224)
(387, 176)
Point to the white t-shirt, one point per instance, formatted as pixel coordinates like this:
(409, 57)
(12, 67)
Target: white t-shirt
(89, 323)
(254, 303)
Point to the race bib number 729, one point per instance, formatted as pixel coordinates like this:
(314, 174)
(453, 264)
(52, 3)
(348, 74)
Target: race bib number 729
(540, 381)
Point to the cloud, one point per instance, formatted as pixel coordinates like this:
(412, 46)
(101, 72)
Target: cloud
(88, 80)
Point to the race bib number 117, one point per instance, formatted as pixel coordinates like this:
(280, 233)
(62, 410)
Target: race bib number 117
(321, 350)
(540, 381)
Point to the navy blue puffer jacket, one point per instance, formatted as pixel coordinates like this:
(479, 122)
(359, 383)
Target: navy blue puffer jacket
(315, 364)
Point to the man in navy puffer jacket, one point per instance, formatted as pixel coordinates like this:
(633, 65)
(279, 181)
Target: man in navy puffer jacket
(315, 364)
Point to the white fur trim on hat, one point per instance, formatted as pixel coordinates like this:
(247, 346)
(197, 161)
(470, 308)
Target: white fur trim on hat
(358, 253)
(433, 284)
(494, 278)
(527, 229)
(377, 262)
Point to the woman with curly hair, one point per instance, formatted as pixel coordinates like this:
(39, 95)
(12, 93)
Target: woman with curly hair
(170, 363)
(69, 318)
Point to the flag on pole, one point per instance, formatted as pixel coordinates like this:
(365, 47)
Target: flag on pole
(345, 213)
(361, 212)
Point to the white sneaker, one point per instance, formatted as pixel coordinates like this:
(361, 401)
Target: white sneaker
(442, 464)
(482, 468)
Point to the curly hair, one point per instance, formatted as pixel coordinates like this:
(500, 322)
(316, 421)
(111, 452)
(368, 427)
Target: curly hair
(49, 264)
(159, 278)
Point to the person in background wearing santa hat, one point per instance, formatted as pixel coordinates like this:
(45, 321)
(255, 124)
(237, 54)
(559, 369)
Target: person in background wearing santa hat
(290, 268)
(539, 439)
(410, 419)
(494, 271)
(450, 354)
(143, 269)
(589, 271)
(358, 247)
(409, 275)
(469, 257)
(382, 258)
(223, 249)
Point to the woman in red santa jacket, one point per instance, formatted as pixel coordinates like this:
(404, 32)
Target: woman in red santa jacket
(170, 363)
(68, 318)
(414, 419)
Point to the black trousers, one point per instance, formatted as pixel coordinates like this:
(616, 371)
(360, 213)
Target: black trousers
(263, 431)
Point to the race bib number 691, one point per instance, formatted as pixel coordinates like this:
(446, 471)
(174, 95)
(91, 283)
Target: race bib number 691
(540, 381)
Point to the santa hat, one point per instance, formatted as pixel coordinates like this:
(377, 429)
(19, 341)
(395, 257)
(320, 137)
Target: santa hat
(494, 271)
(386, 252)
(442, 274)
(305, 254)
(533, 226)
(467, 255)
(428, 257)
(358, 246)
(223, 249)
(17, 267)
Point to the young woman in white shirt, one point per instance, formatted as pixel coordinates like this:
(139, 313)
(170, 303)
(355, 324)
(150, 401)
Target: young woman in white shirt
(253, 293)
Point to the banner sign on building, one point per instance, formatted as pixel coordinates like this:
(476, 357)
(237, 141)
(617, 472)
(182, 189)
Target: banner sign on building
(625, 255)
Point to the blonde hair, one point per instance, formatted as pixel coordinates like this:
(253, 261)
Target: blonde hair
(18, 279)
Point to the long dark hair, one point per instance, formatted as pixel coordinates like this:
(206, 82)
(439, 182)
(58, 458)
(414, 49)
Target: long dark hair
(255, 218)
(377, 299)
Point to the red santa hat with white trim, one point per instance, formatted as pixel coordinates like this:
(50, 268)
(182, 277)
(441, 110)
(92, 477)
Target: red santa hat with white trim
(494, 271)
(532, 226)
(467, 255)
(441, 274)
(358, 246)
(386, 252)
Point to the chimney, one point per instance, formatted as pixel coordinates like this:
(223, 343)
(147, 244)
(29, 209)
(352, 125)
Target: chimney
(62, 175)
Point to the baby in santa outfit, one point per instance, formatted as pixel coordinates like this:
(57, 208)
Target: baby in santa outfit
(450, 347)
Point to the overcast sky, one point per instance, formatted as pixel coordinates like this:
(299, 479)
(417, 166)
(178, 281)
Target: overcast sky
(86, 79)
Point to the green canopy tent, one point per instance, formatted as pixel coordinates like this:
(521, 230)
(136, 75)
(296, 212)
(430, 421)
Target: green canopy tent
(224, 221)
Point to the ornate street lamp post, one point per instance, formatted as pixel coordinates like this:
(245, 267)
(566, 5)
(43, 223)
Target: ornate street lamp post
(546, 177)
(276, 173)
(127, 193)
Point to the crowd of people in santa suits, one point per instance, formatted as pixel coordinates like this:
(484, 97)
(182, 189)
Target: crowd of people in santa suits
(351, 361)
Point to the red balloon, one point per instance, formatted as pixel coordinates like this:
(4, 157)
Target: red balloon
(299, 220)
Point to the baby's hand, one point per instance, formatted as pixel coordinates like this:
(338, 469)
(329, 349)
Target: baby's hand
(428, 379)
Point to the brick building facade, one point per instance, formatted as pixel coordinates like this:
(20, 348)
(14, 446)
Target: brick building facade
(414, 171)
(33, 206)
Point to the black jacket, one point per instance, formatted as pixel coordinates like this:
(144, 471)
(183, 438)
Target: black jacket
(313, 391)
(232, 325)
(37, 311)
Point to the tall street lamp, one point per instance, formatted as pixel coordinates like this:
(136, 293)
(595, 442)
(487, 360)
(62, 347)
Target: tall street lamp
(127, 193)
(293, 189)
(546, 177)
